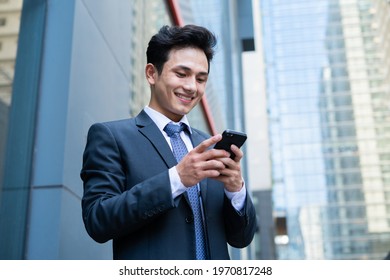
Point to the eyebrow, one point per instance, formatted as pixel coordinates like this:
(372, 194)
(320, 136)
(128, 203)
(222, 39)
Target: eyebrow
(188, 69)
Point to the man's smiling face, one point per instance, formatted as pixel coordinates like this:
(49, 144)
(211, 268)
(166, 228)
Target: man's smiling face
(181, 84)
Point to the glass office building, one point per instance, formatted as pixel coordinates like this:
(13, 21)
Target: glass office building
(328, 88)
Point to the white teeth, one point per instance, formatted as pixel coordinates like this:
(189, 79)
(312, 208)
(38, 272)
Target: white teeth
(184, 97)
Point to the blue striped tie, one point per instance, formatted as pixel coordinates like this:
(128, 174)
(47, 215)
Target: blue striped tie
(179, 151)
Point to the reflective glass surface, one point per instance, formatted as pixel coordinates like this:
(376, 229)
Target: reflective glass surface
(328, 87)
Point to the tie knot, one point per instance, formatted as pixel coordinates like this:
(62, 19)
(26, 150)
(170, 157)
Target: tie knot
(172, 129)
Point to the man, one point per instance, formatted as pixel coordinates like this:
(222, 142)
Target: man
(140, 192)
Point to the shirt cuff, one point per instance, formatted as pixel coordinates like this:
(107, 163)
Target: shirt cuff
(237, 198)
(177, 186)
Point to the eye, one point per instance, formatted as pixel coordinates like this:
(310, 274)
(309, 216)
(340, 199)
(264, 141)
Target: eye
(201, 80)
(180, 74)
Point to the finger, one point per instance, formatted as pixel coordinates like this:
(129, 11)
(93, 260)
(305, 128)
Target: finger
(213, 165)
(207, 143)
(231, 166)
(215, 154)
(237, 152)
(211, 173)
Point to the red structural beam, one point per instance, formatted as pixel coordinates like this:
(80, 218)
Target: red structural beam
(178, 20)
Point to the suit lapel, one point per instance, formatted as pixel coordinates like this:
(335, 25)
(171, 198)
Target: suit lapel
(150, 130)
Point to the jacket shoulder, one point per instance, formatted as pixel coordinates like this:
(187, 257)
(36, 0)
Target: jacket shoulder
(201, 133)
(113, 125)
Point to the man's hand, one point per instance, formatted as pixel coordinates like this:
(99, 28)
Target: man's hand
(231, 175)
(202, 162)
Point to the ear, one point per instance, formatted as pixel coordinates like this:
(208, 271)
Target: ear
(151, 73)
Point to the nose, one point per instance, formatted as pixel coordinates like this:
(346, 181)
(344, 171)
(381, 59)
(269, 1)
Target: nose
(190, 85)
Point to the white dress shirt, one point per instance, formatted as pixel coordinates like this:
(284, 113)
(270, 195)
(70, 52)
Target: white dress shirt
(237, 198)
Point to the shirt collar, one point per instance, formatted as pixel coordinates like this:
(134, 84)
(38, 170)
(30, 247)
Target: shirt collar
(161, 120)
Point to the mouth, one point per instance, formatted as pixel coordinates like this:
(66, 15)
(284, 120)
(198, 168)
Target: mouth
(184, 98)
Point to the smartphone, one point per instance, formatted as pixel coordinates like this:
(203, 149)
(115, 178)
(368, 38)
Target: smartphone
(230, 137)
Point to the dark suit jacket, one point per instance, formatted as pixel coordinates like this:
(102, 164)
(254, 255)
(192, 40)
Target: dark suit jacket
(127, 197)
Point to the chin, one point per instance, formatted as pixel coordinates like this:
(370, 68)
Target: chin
(184, 110)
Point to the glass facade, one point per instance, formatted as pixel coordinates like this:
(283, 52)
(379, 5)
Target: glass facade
(328, 88)
(10, 11)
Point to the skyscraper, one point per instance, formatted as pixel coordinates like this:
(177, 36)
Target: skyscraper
(328, 86)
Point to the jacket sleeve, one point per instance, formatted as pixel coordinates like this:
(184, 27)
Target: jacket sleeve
(110, 207)
(240, 227)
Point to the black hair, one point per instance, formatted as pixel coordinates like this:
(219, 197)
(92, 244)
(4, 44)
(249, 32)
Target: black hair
(176, 37)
